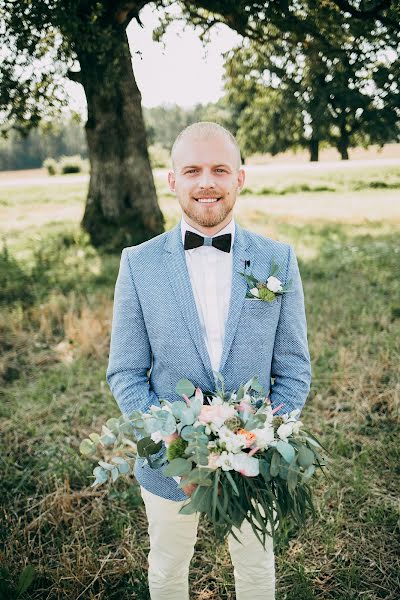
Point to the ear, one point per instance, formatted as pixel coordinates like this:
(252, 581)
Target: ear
(241, 176)
(171, 180)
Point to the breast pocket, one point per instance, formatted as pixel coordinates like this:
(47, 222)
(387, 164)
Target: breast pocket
(254, 304)
(258, 321)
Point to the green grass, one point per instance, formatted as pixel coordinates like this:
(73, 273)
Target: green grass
(57, 289)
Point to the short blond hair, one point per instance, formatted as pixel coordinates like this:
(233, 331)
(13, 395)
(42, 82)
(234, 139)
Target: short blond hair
(204, 129)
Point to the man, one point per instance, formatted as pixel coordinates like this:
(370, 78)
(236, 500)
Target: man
(180, 310)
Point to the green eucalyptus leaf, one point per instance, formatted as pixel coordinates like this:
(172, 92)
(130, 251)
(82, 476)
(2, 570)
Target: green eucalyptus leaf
(101, 476)
(219, 383)
(239, 394)
(105, 465)
(87, 447)
(308, 473)
(122, 464)
(275, 464)
(179, 466)
(256, 386)
(198, 475)
(305, 456)
(107, 436)
(146, 446)
(178, 408)
(285, 450)
(188, 509)
(292, 478)
(265, 470)
(113, 425)
(255, 421)
(184, 386)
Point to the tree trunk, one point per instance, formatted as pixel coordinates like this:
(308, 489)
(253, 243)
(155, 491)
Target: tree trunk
(343, 144)
(122, 207)
(314, 150)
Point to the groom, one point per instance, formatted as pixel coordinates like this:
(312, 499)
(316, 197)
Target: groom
(180, 310)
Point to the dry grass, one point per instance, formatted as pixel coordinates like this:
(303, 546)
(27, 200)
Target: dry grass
(93, 544)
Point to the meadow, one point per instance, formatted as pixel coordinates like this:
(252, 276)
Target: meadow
(56, 307)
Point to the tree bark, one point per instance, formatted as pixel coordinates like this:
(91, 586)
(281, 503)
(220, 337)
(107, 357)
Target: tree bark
(343, 144)
(314, 150)
(121, 208)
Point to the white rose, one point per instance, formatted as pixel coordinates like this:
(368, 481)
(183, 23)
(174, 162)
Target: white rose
(296, 427)
(156, 437)
(236, 443)
(285, 430)
(274, 284)
(245, 464)
(255, 292)
(264, 436)
(225, 461)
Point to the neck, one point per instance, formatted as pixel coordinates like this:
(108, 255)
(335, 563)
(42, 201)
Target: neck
(209, 231)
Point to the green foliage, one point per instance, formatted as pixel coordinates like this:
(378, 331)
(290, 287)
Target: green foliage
(185, 387)
(71, 164)
(296, 91)
(159, 156)
(59, 262)
(10, 591)
(177, 467)
(176, 449)
(15, 283)
(51, 165)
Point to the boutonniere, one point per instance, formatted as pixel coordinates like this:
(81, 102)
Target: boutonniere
(265, 290)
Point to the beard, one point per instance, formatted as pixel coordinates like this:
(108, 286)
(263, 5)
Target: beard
(207, 217)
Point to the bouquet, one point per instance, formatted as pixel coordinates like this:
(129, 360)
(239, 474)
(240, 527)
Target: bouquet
(246, 462)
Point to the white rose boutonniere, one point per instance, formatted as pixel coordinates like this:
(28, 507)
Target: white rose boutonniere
(268, 290)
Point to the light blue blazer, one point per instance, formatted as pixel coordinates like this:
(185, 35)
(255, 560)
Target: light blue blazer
(157, 339)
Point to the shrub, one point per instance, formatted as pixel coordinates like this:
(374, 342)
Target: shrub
(159, 156)
(51, 165)
(71, 164)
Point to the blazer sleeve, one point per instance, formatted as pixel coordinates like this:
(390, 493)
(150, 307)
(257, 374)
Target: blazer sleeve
(130, 351)
(291, 365)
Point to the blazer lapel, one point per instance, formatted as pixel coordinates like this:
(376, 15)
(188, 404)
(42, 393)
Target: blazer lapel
(176, 268)
(242, 251)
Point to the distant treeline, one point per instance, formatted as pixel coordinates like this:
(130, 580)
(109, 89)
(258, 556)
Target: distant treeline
(67, 137)
(163, 123)
(62, 138)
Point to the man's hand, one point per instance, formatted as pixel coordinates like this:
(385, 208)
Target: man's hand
(190, 488)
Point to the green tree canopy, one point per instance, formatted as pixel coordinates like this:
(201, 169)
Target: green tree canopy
(86, 40)
(298, 90)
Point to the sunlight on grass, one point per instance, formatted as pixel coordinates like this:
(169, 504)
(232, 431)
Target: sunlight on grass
(55, 325)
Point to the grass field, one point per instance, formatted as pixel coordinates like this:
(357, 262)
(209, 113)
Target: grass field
(54, 336)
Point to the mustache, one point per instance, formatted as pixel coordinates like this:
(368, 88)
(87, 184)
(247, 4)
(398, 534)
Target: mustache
(207, 195)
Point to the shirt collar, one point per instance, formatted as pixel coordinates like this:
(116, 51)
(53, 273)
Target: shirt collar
(229, 228)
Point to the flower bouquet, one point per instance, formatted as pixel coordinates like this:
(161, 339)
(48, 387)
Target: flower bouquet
(246, 462)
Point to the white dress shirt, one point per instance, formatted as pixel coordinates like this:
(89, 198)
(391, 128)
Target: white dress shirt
(210, 272)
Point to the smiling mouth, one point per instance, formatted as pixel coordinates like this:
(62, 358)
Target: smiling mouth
(208, 200)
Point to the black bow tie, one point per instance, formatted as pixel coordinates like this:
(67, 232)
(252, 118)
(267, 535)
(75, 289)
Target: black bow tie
(222, 242)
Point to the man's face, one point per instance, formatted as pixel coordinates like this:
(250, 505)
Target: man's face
(206, 179)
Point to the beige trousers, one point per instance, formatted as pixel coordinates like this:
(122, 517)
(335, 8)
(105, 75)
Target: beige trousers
(172, 540)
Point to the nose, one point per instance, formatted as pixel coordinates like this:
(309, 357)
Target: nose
(206, 180)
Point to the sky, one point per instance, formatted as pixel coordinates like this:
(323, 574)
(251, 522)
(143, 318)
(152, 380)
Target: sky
(184, 72)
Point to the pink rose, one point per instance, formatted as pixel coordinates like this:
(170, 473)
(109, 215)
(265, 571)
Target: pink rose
(215, 413)
(169, 438)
